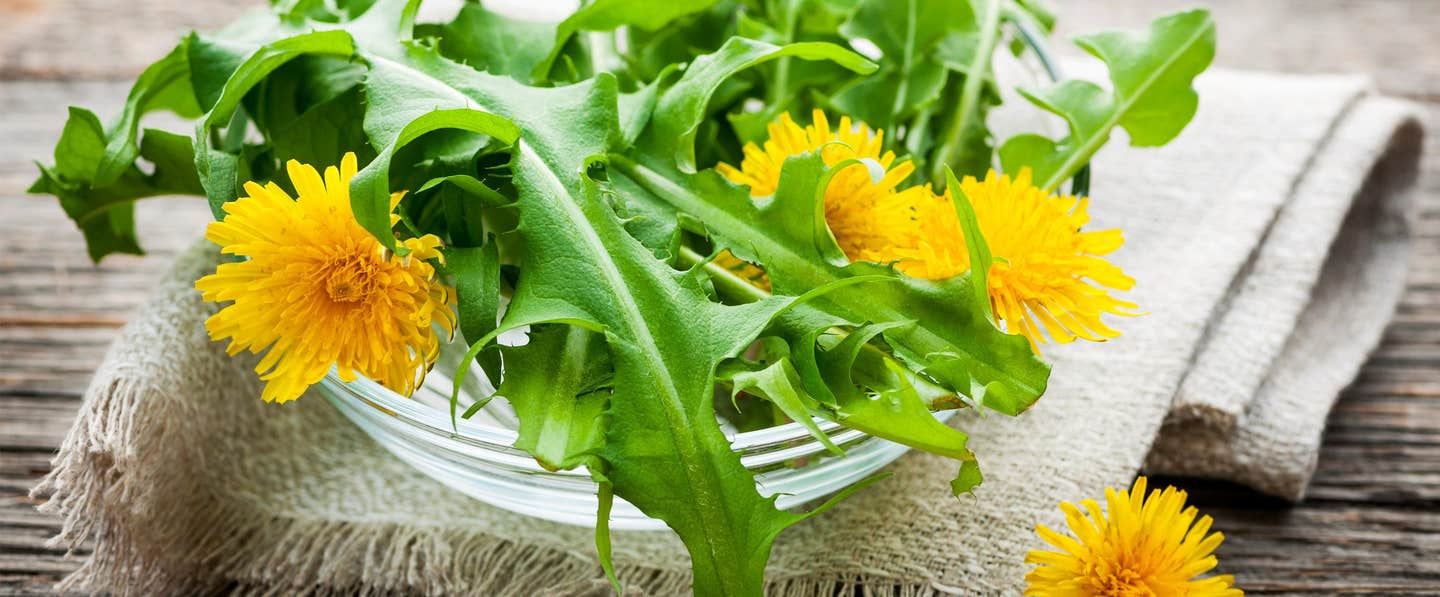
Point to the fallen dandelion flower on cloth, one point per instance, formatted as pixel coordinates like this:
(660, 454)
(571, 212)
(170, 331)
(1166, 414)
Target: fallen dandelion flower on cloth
(316, 290)
(1139, 546)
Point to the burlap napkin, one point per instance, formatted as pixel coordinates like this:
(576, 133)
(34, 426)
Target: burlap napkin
(188, 483)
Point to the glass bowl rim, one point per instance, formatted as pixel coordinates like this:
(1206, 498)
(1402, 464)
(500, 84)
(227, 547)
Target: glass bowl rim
(492, 437)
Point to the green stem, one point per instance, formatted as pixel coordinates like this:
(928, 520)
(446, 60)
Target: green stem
(732, 285)
(964, 118)
(907, 60)
(775, 91)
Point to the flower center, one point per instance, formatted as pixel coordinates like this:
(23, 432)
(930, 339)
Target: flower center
(1124, 583)
(349, 279)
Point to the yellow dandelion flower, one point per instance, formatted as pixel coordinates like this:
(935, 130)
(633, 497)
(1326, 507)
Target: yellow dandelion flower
(1048, 274)
(1149, 546)
(1050, 278)
(859, 198)
(316, 290)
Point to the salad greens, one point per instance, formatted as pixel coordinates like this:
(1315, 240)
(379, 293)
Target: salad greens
(570, 166)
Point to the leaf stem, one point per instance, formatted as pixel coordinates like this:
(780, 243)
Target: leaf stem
(907, 60)
(963, 119)
(775, 91)
(736, 287)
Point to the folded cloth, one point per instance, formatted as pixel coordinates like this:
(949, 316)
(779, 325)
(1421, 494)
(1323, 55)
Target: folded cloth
(1303, 314)
(188, 483)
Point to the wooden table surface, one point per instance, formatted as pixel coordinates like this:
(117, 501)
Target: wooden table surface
(1371, 523)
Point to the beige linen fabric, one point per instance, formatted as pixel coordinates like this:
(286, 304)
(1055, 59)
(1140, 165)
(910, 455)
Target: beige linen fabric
(1304, 314)
(187, 482)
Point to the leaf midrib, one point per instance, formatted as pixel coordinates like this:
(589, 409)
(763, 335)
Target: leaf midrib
(907, 59)
(561, 409)
(642, 339)
(1093, 144)
(639, 330)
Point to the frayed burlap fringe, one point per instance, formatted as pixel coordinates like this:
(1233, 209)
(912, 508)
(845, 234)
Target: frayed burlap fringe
(120, 471)
(158, 478)
(188, 484)
(103, 489)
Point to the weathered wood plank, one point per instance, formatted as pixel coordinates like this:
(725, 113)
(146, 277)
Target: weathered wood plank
(100, 39)
(60, 39)
(35, 423)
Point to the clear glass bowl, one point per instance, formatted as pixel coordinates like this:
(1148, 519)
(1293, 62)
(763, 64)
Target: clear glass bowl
(480, 461)
(479, 458)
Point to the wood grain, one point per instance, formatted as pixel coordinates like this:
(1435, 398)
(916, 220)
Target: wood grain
(99, 39)
(1371, 524)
